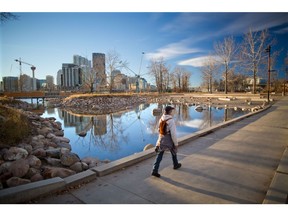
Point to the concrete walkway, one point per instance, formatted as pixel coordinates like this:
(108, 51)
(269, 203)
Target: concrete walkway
(245, 162)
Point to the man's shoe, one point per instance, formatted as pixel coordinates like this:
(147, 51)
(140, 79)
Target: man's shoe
(156, 174)
(177, 166)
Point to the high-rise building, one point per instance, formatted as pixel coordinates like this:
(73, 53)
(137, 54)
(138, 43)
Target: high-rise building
(71, 76)
(10, 84)
(85, 65)
(99, 68)
(59, 78)
(81, 61)
(1, 86)
(50, 82)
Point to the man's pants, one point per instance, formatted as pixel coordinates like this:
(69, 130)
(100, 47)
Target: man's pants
(159, 158)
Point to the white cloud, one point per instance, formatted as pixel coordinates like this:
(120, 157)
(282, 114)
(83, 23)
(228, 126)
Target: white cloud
(172, 50)
(195, 62)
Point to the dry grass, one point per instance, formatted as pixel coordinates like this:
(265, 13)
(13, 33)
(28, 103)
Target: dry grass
(14, 126)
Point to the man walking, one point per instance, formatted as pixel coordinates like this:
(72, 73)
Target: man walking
(167, 140)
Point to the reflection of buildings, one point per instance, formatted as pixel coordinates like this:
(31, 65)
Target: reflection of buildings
(142, 107)
(84, 123)
(100, 124)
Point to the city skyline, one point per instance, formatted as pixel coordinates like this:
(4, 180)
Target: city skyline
(47, 40)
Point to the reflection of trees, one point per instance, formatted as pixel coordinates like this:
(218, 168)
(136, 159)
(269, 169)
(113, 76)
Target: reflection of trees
(108, 132)
(207, 118)
(141, 122)
(105, 131)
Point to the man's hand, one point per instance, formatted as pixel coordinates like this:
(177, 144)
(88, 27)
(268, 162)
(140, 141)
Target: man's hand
(156, 149)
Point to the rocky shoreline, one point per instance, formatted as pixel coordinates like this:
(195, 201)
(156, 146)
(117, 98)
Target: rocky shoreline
(47, 153)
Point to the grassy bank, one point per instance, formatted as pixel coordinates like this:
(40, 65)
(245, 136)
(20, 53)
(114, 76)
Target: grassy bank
(14, 126)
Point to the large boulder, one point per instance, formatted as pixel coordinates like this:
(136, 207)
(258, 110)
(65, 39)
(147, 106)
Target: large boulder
(15, 153)
(19, 168)
(52, 172)
(69, 158)
(33, 161)
(15, 181)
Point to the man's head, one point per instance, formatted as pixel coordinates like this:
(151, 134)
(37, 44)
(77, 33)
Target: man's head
(168, 110)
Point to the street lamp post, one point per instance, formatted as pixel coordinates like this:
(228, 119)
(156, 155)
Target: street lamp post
(268, 49)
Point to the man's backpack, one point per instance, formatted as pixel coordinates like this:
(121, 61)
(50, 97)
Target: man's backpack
(163, 126)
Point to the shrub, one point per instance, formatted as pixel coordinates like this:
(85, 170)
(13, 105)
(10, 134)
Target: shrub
(14, 126)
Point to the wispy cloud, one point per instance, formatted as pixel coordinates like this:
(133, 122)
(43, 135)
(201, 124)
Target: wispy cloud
(207, 27)
(257, 21)
(195, 62)
(282, 31)
(172, 50)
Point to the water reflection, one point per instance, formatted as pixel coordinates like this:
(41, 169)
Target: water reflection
(120, 134)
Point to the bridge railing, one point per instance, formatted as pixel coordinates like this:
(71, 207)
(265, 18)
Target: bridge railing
(36, 94)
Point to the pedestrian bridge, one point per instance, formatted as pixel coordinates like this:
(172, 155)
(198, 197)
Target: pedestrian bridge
(36, 94)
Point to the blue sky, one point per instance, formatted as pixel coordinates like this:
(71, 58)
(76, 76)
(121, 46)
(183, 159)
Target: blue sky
(48, 39)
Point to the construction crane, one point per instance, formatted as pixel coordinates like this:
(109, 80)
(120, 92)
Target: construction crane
(33, 68)
(136, 75)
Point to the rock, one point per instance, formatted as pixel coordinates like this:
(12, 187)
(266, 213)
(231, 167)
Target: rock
(45, 131)
(27, 147)
(58, 139)
(36, 177)
(4, 177)
(91, 162)
(31, 172)
(77, 167)
(15, 181)
(51, 172)
(58, 125)
(15, 153)
(54, 152)
(34, 162)
(85, 166)
(40, 153)
(37, 144)
(5, 167)
(50, 136)
(148, 146)
(82, 134)
(53, 161)
(64, 145)
(59, 133)
(69, 159)
(64, 150)
(19, 168)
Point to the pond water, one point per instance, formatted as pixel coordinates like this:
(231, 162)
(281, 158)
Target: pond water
(117, 135)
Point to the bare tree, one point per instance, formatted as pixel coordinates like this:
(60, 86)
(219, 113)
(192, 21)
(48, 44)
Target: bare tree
(177, 75)
(6, 16)
(180, 79)
(225, 52)
(89, 79)
(209, 70)
(113, 63)
(253, 51)
(159, 70)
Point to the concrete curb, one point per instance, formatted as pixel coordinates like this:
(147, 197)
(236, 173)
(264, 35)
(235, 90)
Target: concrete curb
(278, 190)
(27, 192)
